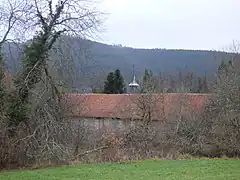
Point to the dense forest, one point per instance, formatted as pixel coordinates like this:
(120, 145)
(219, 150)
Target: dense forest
(86, 63)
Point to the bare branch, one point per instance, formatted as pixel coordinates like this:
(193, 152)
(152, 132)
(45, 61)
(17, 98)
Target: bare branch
(92, 150)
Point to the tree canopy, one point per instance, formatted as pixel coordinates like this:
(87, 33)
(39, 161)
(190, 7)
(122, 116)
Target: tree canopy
(114, 83)
(148, 84)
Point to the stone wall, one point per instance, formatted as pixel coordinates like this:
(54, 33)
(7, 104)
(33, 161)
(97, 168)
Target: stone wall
(104, 124)
(98, 126)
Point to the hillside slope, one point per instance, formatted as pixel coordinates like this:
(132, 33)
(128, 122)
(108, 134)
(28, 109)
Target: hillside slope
(92, 59)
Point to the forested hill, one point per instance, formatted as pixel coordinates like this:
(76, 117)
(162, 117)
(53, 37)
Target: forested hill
(157, 59)
(92, 59)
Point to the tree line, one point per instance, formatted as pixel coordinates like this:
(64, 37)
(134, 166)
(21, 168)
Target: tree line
(150, 82)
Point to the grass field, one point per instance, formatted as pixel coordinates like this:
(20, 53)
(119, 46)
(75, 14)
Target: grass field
(149, 170)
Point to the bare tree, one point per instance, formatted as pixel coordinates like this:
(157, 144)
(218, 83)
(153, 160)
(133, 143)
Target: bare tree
(11, 16)
(11, 13)
(140, 139)
(68, 16)
(34, 113)
(73, 63)
(80, 18)
(223, 110)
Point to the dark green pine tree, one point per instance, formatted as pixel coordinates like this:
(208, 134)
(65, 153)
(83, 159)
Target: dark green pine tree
(119, 82)
(114, 83)
(109, 84)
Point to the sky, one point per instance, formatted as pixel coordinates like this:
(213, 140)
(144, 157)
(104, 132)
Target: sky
(171, 24)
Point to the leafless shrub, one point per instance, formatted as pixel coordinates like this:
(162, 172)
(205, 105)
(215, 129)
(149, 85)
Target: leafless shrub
(168, 126)
(223, 111)
(44, 138)
(215, 132)
(139, 141)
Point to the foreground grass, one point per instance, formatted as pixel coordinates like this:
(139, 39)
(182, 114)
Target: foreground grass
(150, 170)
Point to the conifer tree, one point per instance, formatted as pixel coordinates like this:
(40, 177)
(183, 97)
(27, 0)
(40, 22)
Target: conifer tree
(119, 82)
(109, 84)
(114, 83)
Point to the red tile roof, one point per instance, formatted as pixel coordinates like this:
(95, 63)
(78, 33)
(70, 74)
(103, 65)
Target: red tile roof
(130, 106)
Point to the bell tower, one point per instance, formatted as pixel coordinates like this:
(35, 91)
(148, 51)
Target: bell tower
(133, 86)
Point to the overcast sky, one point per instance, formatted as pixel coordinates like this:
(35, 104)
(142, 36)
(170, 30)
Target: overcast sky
(175, 24)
